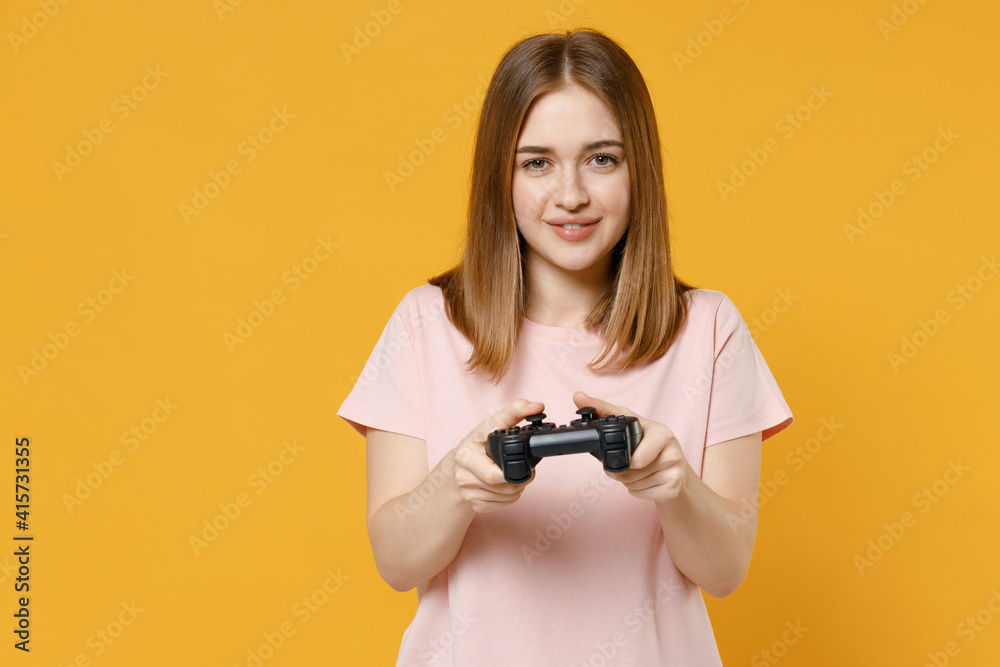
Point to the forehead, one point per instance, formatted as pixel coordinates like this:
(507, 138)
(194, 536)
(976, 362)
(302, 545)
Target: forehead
(573, 115)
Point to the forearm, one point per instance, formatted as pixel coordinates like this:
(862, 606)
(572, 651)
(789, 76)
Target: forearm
(709, 539)
(416, 535)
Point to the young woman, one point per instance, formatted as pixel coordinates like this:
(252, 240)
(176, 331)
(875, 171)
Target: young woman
(565, 298)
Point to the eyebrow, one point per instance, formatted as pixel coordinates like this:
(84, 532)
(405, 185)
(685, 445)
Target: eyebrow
(589, 147)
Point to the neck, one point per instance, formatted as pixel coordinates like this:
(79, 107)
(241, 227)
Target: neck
(560, 298)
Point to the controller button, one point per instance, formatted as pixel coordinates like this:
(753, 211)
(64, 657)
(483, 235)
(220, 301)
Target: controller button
(616, 459)
(513, 448)
(614, 437)
(518, 470)
(536, 419)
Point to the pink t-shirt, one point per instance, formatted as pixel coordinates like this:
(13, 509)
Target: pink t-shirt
(576, 572)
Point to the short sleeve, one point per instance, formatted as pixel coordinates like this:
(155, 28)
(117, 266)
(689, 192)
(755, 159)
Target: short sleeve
(387, 395)
(744, 394)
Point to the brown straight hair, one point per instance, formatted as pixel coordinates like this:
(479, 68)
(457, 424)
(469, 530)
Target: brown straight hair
(643, 307)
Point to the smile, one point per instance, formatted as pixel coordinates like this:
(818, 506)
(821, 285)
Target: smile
(573, 231)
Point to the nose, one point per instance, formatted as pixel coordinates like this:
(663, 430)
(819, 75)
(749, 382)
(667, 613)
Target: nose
(569, 190)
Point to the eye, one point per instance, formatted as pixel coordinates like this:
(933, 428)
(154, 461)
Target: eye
(605, 160)
(536, 164)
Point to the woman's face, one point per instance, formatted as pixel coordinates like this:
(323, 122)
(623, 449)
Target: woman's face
(571, 183)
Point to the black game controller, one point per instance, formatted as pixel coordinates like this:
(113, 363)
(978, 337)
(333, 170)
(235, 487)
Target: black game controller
(610, 439)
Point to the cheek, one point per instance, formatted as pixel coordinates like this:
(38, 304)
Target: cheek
(529, 199)
(615, 197)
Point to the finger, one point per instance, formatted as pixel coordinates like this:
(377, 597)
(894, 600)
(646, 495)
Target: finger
(627, 477)
(648, 461)
(481, 506)
(481, 470)
(508, 416)
(494, 494)
(643, 456)
(491, 475)
(495, 480)
(604, 408)
(648, 451)
(658, 449)
(646, 482)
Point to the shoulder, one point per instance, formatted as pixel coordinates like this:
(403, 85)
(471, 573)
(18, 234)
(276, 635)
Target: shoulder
(425, 295)
(422, 300)
(705, 305)
(712, 314)
(419, 298)
(422, 307)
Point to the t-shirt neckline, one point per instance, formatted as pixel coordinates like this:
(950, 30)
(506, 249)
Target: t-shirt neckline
(558, 333)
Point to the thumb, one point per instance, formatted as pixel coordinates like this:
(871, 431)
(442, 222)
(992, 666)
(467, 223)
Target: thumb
(603, 407)
(508, 416)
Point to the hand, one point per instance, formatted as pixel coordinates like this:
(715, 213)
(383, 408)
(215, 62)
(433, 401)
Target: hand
(658, 470)
(480, 480)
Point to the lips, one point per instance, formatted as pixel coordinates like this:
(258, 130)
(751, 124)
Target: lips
(572, 228)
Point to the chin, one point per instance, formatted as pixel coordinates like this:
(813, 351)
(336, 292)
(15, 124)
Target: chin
(576, 264)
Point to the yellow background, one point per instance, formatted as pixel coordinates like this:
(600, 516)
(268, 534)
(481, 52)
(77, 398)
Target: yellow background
(162, 336)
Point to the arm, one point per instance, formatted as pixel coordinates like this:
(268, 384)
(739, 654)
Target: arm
(709, 523)
(417, 519)
(413, 536)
